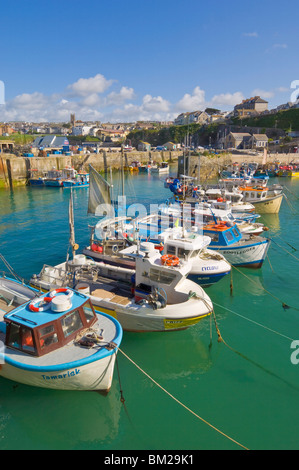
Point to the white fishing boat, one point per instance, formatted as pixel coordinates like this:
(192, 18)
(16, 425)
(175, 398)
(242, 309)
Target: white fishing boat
(264, 200)
(163, 167)
(152, 297)
(238, 249)
(206, 267)
(55, 340)
(235, 198)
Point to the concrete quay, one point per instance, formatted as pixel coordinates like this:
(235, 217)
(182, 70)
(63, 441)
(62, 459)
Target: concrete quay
(15, 171)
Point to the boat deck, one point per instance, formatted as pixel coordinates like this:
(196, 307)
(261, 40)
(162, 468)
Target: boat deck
(70, 353)
(111, 290)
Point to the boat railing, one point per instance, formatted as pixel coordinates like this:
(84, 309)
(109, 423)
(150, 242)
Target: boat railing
(55, 275)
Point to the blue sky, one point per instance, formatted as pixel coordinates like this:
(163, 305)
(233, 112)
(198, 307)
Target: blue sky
(124, 61)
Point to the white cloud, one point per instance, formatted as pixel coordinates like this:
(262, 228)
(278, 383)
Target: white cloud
(155, 104)
(280, 46)
(276, 47)
(91, 99)
(251, 35)
(87, 86)
(124, 94)
(196, 101)
(263, 93)
(227, 99)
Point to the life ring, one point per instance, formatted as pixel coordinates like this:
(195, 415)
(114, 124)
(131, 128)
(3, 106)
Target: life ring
(170, 260)
(62, 290)
(33, 304)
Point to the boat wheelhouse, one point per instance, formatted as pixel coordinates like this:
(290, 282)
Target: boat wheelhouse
(264, 200)
(56, 340)
(240, 250)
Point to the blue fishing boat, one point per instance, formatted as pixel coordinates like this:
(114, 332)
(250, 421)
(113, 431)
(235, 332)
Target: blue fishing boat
(34, 179)
(239, 249)
(53, 178)
(55, 340)
(76, 180)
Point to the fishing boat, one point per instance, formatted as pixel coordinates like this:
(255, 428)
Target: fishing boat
(73, 179)
(206, 267)
(155, 296)
(53, 178)
(244, 250)
(163, 167)
(56, 340)
(35, 179)
(236, 199)
(205, 213)
(264, 200)
(145, 168)
(238, 249)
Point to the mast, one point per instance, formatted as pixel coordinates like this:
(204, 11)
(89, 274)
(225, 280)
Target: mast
(72, 241)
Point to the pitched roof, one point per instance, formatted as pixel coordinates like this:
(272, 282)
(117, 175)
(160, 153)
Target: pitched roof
(260, 136)
(239, 135)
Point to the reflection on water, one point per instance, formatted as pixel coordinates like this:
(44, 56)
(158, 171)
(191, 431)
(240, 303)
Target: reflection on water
(62, 419)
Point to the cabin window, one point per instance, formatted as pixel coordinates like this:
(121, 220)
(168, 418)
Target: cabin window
(236, 233)
(161, 277)
(71, 323)
(20, 337)
(183, 253)
(13, 339)
(171, 250)
(27, 340)
(47, 336)
(214, 236)
(195, 253)
(229, 236)
(89, 314)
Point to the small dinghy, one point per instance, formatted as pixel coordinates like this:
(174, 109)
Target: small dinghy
(55, 340)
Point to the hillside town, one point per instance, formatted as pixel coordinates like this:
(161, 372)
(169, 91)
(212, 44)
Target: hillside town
(232, 132)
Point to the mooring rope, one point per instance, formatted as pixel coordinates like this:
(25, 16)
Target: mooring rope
(182, 404)
(284, 305)
(221, 340)
(254, 322)
(284, 249)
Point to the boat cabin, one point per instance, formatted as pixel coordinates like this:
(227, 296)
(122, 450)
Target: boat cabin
(48, 322)
(221, 234)
(254, 194)
(186, 246)
(53, 174)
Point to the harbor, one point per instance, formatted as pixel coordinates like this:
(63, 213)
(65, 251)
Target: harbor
(149, 236)
(225, 378)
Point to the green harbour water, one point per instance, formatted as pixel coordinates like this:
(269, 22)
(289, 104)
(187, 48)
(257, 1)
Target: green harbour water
(245, 386)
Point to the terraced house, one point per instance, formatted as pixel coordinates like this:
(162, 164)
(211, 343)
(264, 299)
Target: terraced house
(251, 107)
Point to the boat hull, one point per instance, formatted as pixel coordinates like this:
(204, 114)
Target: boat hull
(69, 184)
(251, 255)
(206, 280)
(143, 318)
(53, 184)
(269, 206)
(36, 182)
(94, 376)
